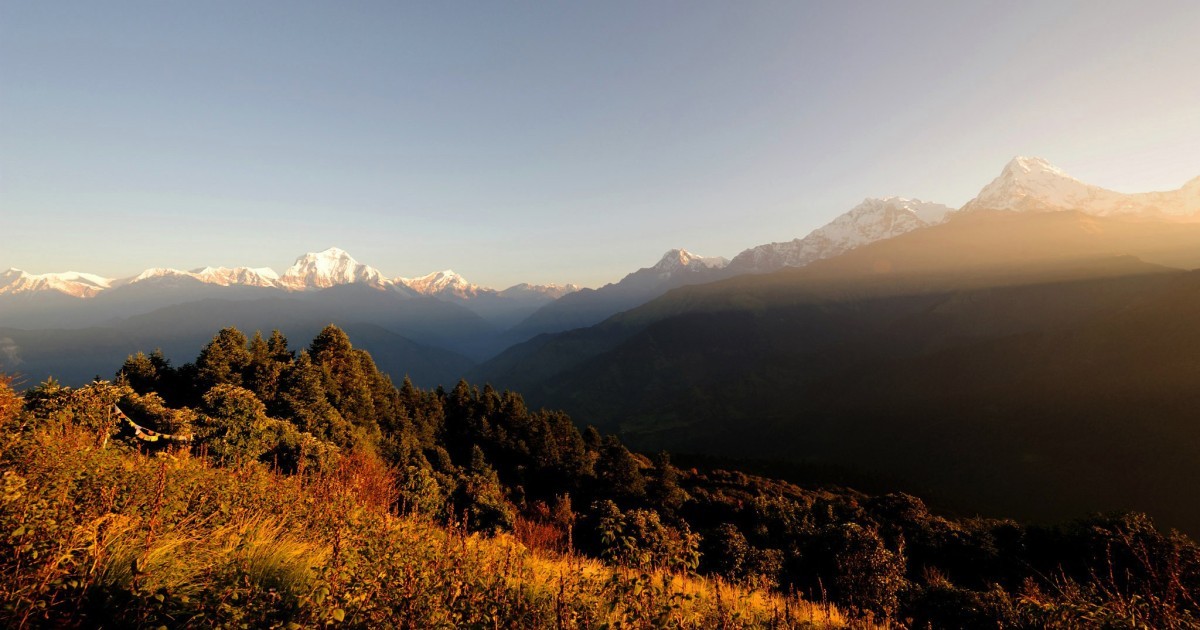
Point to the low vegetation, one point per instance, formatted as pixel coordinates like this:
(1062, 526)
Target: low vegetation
(262, 487)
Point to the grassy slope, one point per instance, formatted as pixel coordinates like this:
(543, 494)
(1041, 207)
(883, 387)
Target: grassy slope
(108, 536)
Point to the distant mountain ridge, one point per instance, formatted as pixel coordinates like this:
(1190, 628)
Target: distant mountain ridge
(72, 283)
(676, 268)
(1026, 184)
(310, 272)
(521, 312)
(870, 221)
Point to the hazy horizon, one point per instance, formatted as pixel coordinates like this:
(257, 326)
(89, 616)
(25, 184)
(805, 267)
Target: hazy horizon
(553, 144)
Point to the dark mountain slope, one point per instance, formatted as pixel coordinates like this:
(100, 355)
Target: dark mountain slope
(590, 306)
(1005, 366)
(981, 406)
(975, 250)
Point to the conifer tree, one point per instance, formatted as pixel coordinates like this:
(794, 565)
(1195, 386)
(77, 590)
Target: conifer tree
(342, 375)
(277, 346)
(303, 401)
(618, 469)
(664, 490)
(263, 372)
(224, 360)
(480, 497)
(140, 373)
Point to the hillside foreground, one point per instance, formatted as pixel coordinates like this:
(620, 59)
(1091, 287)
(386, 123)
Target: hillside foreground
(264, 487)
(98, 534)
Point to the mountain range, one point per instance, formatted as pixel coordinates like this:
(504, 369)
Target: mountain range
(310, 272)
(1025, 184)
(1017, 355)
(443, 310)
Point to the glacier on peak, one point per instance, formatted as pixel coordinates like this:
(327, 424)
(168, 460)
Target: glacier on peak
(445, 282)
(870, 221)
(448, 283)
(1028, 165)
(223, 276)
(1034, 185)
(245, 276)
(321, 270)
(677, 259)
(73, 283)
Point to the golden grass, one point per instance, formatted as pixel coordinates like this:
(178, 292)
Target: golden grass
(112, 537)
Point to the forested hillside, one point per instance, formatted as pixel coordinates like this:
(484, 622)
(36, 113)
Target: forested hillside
(264, 486)
(999, 363)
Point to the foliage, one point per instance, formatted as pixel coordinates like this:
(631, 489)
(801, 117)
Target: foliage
(639, 539)
(313, 485)
(114, 536)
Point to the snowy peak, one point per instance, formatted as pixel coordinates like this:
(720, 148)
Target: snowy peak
(222, 276)
(547, 291)
(72, 283)
(1034, 185)
(677, 259)
(444, 282)
(243, 276)
(449, 284)
(870, 221)
(1022, 166)
(875, 214)
(155, 273)
(329, 268)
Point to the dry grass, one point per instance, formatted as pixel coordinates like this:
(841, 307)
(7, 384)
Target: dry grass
(94, 535)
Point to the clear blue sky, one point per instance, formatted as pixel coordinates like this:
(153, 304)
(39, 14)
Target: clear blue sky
(553, 142)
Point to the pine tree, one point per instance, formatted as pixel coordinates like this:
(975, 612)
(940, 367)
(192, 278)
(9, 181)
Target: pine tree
(277, 346)
(618, 469)
(480, 497)
(224, 360)
(664, 491)
(303, 401)
(342, 374)
(139, 372)
(264, 370)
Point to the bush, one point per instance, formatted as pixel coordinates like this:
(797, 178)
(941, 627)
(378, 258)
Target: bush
(638, 538)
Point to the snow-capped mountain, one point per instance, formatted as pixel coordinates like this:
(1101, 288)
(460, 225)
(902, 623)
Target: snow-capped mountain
(244, 276)
(678, 260)
(448, 284)
(544, 291)
(444, 283)
(1030, 184)
(677, 267)
(501, 308)
(221, 276)
(1025, 184)
(870, 221)
(312, 271)
(80, 285)
(329, 268)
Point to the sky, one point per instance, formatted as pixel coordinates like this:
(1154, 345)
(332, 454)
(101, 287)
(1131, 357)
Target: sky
(553, 142)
